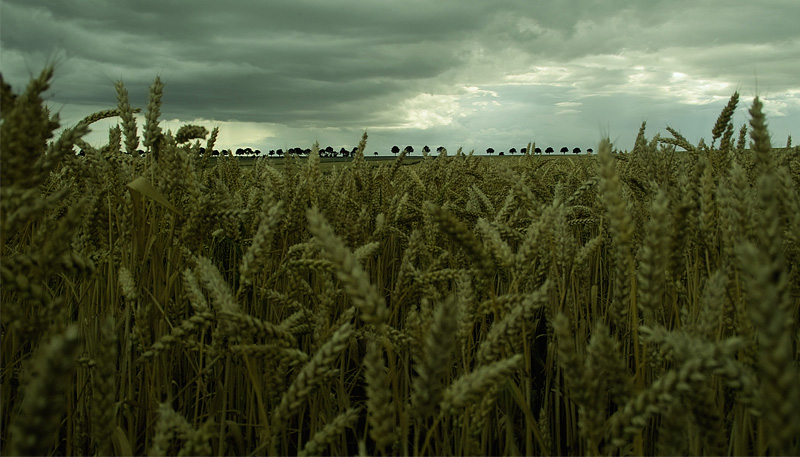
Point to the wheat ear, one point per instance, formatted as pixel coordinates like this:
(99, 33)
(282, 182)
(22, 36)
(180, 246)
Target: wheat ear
(380, 407)
(330, 432)
(310, 377)
(356, 282)
(45, 399)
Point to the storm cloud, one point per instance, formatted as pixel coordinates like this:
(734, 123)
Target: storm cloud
(277, 74)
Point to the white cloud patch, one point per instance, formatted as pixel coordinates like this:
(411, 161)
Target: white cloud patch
(430, 110)
(542, 76)
(775, 108)
(568, 108)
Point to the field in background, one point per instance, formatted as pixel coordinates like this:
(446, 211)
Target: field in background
(641, 303)
(328, 164)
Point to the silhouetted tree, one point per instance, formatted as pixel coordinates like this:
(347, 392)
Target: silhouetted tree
(257, 152)
(538, 151)
(513, 151)
(501, 153)
(271, 152)
(395, 150)
(576, 151)
(426, 149)
(409, 149)
(549, 150)
(375, 153)
(589, 151)
(564, 150)
(490, 151)
(279, 152)
(344, 152)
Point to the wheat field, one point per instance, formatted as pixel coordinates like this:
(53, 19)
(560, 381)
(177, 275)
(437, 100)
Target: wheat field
(639, 303)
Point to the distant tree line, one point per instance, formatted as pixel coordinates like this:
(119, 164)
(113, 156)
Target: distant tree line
(343, 152)
(549, 150)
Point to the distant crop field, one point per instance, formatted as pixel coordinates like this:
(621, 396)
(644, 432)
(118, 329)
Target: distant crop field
(620, 303)
(326, 164)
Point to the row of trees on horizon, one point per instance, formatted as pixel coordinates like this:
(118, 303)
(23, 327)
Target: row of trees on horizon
(343, 152)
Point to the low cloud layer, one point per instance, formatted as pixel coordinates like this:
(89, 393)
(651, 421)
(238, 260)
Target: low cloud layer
(279, 74)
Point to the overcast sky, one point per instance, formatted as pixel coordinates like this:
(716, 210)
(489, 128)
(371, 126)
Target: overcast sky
(478, 74)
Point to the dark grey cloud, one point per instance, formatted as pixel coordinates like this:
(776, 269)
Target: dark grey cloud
(458, 72)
